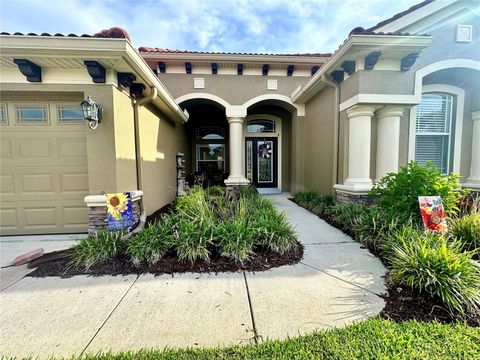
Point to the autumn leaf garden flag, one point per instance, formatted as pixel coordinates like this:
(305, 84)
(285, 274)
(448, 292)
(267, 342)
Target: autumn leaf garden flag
(433, 214)
(119, 211)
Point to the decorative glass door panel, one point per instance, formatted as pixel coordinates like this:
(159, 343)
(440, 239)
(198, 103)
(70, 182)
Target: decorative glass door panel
(261, 161)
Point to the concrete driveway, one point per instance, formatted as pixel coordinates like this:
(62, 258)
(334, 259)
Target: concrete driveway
(335, 284)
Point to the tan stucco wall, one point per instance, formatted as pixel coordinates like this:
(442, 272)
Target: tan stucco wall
(160, 141)
(319, 131)
(124, 135)
(297, 154)
(235, 89)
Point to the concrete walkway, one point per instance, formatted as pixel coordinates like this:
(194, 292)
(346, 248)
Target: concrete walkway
(336, 283)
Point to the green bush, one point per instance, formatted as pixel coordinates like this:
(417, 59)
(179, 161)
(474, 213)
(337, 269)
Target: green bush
(345, 214)
(193, 237)
(466, 230)
(373, 225)
(96, 249)
(429, 264)
(203, 223)
(399, 191)
(152, 243)
(235, 239)
(273, 231)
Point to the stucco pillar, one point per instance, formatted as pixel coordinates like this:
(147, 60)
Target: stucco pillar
(237, 172)
(359, 145)
(388, 140)
(473, 180)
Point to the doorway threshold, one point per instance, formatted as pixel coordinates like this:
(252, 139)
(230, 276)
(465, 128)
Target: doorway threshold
(269, 191)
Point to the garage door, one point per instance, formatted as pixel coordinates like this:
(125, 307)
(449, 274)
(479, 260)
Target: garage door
(44, 175)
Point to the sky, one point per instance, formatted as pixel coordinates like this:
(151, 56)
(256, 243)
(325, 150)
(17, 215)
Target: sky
(258, 26)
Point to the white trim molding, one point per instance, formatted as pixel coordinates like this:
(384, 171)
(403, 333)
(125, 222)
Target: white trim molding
(460, 104)
(473, 180)
(285, 99)
(440, 65)
(201, 95)
(384, 99)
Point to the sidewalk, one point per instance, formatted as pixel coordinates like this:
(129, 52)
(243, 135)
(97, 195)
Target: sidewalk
(336, 283)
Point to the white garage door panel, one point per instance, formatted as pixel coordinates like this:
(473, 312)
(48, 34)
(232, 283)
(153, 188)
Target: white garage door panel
(44, 175)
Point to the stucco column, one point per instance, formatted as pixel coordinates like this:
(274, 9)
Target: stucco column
(237, 172)
(473, 180)
(359, 145)
(388, 140)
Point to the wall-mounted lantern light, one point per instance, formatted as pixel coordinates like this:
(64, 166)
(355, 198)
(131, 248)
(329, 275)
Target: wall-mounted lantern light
(92, 112)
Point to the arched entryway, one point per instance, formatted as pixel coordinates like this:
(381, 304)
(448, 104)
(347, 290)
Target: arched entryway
(208, 136)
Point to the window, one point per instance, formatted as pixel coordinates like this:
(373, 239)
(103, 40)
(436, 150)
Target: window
(433, 133)
(31, 114)
(70, 114)
(3, 115)
(261, 126)
(210, 158)
(210, 132)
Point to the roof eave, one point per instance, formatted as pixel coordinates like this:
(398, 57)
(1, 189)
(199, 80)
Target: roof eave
(357, 42)
(234, 58)
(94, 48)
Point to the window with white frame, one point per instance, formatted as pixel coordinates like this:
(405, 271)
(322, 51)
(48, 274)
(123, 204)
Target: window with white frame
(433, 133)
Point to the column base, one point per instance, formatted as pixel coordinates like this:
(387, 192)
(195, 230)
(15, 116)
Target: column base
(237, 181)
(355, 186)
(472, 183)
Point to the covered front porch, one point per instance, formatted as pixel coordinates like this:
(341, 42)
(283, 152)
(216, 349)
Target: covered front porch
(238, 146)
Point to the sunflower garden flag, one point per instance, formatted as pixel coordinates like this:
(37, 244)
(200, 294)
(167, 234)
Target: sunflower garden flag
(119, 211)
(433, 214)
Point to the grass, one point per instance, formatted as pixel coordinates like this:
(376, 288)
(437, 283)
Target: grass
(373, 339)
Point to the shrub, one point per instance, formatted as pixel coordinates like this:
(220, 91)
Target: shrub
(428, 263)
(193, 237)
(152, 243)
(273, 231)
(235, 239)
(466, 230)
(373, 225)
(400, 191)
(96, 249)
(344, 214)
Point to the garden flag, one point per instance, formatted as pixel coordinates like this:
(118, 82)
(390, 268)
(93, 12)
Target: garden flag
(433, 215)
(119, 211)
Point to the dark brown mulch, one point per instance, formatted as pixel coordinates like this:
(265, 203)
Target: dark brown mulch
(262, 260)
(402, 303)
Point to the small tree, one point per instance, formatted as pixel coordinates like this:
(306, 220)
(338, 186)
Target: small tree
(400, 191)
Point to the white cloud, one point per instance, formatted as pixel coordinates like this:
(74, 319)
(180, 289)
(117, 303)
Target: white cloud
(209, 25)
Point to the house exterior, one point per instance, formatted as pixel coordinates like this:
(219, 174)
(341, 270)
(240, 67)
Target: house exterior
(402, 90)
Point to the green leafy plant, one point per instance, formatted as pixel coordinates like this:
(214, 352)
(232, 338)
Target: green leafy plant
(345, 214)
(429, 263)
(400, 191)
(152, 243)
(97, 249)
(193, 238)
(273, 231)
(235, 239)
(466, 230)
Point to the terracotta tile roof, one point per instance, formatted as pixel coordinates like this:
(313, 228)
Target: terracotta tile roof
(401, 14)
(361, 31)
(112, 33)
(145, 49)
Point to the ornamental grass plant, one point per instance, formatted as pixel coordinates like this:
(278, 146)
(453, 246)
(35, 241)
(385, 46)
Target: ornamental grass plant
(203, 224)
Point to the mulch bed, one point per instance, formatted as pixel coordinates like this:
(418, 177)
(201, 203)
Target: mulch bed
(404, 304)
(262, 260)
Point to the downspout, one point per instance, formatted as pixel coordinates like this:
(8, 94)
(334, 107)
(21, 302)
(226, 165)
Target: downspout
(336, 143)
(136, 125)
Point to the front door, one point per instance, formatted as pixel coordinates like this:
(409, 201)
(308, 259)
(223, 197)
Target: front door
(261, 161)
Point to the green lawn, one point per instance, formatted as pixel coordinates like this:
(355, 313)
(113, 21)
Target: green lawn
(373, 339)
